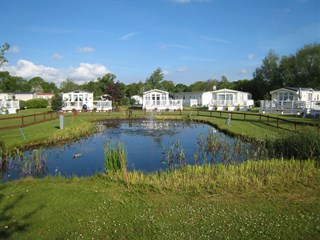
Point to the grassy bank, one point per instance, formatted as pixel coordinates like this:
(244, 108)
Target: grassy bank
(168, 206)
(38, 133)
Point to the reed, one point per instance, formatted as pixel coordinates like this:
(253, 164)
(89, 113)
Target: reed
(175, 157)
(302, 144)
(115, 157)
(247, 176)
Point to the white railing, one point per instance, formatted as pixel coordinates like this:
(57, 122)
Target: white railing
(102, 105)
(292, 107)
(9, 106)
(163, 105)
(96, 105)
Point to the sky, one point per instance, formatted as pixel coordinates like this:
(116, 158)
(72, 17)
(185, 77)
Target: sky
(190, 40)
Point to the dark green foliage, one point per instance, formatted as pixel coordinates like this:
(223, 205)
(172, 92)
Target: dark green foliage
(303, 144)
(56, 102)
(22, 104)
(37, 103)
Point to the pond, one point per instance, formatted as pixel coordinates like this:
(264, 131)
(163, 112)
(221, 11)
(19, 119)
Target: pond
(150, 145)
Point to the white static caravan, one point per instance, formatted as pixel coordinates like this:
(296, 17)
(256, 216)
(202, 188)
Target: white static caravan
(78, 98)
(231, 100)
(194, 99)
(291, 100)
(7, 104)
(189, 99)
(159, 100)
(137, 98)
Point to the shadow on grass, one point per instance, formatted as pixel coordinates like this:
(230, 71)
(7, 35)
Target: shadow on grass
(11, 223)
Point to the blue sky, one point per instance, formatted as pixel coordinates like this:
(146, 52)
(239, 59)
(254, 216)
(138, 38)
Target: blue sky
(190, 40)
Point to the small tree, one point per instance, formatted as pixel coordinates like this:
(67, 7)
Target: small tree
(56, 102)
(114, 91)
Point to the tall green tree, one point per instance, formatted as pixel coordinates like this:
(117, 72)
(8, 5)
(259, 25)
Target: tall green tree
(269, 71)
(303, 68)
(180, 87)
(5, 47)
(134, 89)
(68, 85)
(154, 81)
(10, 83)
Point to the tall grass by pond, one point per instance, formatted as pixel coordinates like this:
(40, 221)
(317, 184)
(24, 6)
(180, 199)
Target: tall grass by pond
(33, 164)
(303, 144)
(74, 132)
(247, 176)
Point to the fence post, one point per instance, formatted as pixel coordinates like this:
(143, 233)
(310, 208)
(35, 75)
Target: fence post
(34, 118)
(197, 112)
(220, 114)
(277, 122)
(22, 121)
(44, 116)
(50, 115)
(244, 116)
(260, 118)
(211, 114)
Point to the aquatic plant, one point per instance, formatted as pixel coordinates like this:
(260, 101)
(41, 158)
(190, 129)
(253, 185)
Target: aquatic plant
(246, 176)
(302, 144)
(175, 157)
(115, 157)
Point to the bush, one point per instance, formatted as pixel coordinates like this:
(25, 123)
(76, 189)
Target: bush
(37, 103)
(257, 103)
(22, 104)
(56, 102)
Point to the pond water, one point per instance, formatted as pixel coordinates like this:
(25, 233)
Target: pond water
(147, 144)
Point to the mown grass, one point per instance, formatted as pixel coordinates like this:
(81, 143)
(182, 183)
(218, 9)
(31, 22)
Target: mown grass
(176, 205)
(275, 199)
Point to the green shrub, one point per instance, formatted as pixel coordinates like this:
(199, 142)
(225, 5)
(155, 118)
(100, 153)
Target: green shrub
(257, 103)
(22, 104)
(56, 102)
(37, 103)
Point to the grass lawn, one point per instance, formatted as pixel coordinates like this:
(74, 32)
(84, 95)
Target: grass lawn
(104, 208)
(260, 200)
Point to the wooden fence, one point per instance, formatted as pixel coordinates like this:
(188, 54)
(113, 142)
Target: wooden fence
(27, 120)
(278, 122)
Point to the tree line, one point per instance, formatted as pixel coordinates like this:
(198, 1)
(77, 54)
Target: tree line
(301, 69)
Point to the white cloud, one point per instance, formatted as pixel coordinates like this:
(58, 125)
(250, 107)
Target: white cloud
(165, 72)
(128, 36)
(251, 56)
(243, 71)
(182, 69)
(14, 49)
(57, 56)
(85, 72)
(86, 50)
(27, 70)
